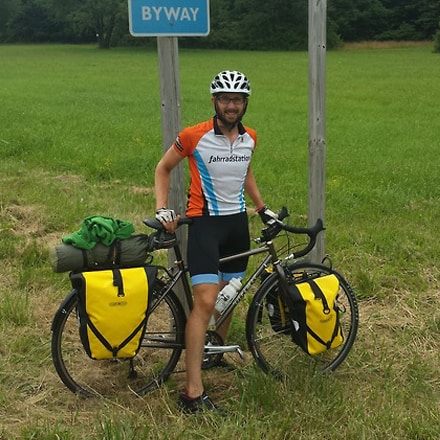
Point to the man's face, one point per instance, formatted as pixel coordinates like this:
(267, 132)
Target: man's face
(230, 108)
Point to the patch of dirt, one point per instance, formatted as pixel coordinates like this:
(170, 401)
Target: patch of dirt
(23, 219)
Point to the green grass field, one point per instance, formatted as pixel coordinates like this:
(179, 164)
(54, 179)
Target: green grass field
(80, 134)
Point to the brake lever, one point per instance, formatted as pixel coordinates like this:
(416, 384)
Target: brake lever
(283, 213)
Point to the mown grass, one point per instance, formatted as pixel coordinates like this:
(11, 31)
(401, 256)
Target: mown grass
(80, 135)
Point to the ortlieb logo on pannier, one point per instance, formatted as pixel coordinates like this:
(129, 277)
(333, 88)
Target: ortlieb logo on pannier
(314, 318)
(112, 309)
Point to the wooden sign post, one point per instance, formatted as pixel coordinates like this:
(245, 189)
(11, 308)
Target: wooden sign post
(317, 140)
(167, 20)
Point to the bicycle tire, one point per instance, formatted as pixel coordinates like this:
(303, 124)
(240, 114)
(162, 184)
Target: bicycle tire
(275, 352)
(159, 353)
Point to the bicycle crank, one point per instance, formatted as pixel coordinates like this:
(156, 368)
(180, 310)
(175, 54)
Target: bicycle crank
(215, 349)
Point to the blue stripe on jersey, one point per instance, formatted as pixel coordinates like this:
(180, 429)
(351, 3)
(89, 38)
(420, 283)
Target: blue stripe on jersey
(242, 199)
(206, 182)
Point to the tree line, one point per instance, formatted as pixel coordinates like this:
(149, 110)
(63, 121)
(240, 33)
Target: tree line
(235, 24)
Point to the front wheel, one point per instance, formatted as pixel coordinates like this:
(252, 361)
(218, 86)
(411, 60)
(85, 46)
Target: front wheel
(271, 344)
(159, 353)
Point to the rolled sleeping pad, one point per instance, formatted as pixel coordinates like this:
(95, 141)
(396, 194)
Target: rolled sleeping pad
(129, 252)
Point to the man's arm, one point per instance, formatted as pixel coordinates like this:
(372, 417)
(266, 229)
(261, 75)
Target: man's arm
(162, 176)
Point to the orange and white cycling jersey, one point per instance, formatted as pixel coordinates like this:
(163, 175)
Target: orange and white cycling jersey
(217, 168)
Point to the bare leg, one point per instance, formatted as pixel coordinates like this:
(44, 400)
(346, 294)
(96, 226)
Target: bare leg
(205, 296)
(223, 329)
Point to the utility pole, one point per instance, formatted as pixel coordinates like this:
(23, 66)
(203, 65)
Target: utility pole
(168, 52)
(317, 119)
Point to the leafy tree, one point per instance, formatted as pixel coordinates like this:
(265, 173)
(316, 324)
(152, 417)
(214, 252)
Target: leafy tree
(257, 25)
(29, 21)
(358, 20)
(411, 19)
(235, 24)
(280, 24)
(437, 40)
(96, 18)
(225, 29)
(8, 9)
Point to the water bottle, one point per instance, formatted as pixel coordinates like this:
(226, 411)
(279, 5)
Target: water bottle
(227, 294)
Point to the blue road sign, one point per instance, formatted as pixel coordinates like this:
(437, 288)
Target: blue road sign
(160, 18)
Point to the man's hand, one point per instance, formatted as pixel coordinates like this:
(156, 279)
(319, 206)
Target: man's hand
(165, 215)
(267, 215)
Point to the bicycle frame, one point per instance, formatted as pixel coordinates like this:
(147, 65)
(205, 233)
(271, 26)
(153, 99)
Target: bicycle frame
(270, 259)
(268, 234)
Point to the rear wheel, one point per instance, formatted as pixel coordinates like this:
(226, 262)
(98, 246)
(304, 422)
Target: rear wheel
(159, 353)
(270, 342)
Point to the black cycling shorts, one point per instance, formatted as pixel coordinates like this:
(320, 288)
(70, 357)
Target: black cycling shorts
(213, 237)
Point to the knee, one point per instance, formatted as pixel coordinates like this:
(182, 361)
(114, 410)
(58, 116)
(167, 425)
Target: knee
(205, 296)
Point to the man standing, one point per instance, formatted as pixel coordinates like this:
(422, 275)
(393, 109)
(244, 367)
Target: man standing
(219, 152)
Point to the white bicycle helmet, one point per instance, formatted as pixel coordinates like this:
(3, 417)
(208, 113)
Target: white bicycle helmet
(230, 81)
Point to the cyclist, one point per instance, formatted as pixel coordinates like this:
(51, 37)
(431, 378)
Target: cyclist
(219, 152)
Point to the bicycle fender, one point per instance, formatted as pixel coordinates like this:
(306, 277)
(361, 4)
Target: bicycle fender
(62, 307)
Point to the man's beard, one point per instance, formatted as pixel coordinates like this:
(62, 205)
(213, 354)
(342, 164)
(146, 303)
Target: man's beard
(227, 123)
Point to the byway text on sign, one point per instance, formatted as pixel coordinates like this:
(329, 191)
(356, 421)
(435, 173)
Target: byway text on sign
(150, 18)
